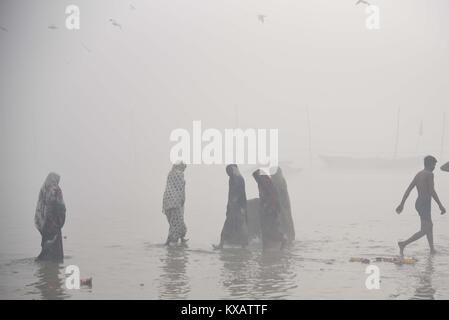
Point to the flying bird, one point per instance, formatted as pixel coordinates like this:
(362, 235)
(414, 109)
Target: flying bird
(86, 48)
(261, 18)
(362, 1)
(3, 29)
(52, 27)
(115, 23)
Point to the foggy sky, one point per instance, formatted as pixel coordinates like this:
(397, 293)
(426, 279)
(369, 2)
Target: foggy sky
(101, 117)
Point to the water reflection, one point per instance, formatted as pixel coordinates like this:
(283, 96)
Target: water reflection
(237, 272)
(257, 275)
(275, 276)
(49, 282)
(424, 289)
(175, 283)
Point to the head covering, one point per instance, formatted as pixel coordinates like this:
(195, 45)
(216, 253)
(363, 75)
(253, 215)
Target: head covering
(267, 192)
(174, 195)
(237, 192)
(180, 166)
(278, 173)
(232, 170)
(49, 195)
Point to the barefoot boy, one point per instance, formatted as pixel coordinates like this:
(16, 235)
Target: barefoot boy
(424, 183)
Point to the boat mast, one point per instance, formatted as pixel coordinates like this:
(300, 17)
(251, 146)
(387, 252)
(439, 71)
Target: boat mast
(443, 134)
(309, 128)
(397, 135)
(236, 116)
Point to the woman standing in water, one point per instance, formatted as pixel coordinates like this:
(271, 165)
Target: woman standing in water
(49, 219)
(173, 204)
(272, 236)
(235, 229)
(287, 225)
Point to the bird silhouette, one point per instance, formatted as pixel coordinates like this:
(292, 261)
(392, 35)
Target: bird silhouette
(86, 48)
(3, 29)
(362, 1)
(261, 18)
(52, 27)
(115, 23)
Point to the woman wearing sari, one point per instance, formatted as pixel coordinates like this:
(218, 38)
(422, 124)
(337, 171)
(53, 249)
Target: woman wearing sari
(235, 229)
(287, 225)
(270, 210)
(50, 218)
(173, 204)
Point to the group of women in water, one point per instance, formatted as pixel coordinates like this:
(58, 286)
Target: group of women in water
(267, 217)
(271, 220)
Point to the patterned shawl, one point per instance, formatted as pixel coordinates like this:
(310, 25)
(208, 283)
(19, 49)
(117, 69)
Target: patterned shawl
(50, 197)
(174, 195)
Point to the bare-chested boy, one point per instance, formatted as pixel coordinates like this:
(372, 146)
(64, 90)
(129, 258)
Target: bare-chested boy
(424, 183)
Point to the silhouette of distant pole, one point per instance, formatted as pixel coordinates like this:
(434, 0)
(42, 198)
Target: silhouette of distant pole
(236, 116)
(443, 135)
(309, 127)
(396, 146)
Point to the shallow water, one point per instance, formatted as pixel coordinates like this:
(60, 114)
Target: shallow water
(338, 216)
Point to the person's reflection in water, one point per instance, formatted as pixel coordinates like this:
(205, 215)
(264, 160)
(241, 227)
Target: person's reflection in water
(275, 278)
(424, 289)
(50, 280)
(174, 280)
(237, 272)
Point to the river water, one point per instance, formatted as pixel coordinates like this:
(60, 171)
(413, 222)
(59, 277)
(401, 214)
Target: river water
(338, 215)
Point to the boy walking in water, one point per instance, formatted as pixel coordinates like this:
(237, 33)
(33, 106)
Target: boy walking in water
(424, 183)
(445, 167)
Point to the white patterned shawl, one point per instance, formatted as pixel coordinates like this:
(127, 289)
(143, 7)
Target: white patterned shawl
(174, 195)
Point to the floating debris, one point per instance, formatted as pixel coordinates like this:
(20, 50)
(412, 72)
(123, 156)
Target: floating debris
(395, 260)
(87, 282)
(362, 260)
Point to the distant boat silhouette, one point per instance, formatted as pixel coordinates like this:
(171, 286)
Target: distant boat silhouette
(376, 162)
(363, 163)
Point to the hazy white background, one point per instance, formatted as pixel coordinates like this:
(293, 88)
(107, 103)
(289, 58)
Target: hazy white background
(97, 105)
